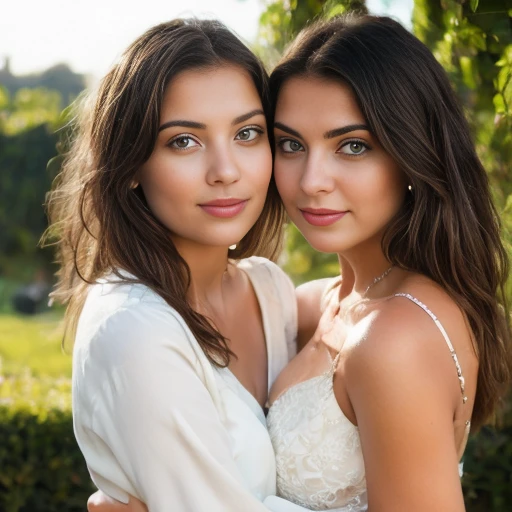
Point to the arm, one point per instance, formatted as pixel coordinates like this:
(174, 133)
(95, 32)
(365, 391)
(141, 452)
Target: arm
(403, 388)
(100, 502)
(155, 415)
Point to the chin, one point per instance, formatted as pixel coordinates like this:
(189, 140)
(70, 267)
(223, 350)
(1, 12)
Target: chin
(326, 243)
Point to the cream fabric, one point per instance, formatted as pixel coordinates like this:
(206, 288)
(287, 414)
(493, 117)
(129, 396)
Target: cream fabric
(155, 419)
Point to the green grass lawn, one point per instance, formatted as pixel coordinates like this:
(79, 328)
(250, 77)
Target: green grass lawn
(33, 343)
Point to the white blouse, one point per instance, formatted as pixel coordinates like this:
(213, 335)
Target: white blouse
(155, 419)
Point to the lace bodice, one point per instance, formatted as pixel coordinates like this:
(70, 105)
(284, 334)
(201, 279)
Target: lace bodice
(319, 458)
(318, 453)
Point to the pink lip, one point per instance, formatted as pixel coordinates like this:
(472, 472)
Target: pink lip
(321, 216)
(224, 208)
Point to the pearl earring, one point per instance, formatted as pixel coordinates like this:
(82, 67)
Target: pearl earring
(232, 247)
(410, 188)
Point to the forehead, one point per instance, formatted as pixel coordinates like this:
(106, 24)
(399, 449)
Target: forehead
(317, 100)
(199, 93)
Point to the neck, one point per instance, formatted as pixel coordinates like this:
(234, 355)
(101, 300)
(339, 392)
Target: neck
(360, 266)
(208, 271)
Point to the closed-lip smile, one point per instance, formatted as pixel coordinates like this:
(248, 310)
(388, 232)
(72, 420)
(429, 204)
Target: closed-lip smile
(224, 208)
(322, 216)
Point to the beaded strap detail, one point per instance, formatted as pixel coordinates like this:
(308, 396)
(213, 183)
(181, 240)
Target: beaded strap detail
(446, 338)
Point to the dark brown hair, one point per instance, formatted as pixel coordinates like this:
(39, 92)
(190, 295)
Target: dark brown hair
(448, 228)
(101, 225)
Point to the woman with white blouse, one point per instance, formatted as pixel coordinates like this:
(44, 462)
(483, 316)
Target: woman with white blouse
(179, 329)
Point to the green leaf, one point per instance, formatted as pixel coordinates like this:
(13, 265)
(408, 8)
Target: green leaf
(474, 5)
(468, 72)
(503, 78)
(499, 104)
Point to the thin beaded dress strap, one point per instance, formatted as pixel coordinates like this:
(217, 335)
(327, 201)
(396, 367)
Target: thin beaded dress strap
(446, 338)
(334, 363)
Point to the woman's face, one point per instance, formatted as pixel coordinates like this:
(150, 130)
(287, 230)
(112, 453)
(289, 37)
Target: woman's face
(337, 183)
(209, 172)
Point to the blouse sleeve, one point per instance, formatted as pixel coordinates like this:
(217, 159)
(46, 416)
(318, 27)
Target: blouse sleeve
(154, 416)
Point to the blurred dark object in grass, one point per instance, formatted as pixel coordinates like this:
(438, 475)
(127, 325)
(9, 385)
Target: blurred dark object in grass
(32, 298)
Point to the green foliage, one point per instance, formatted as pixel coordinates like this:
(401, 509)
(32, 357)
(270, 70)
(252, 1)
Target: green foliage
(33, 343)
(303, 264)
(27, 109)
(283, 19)
(487, 481)
(473, 43)
(41, 467)
(28, 121)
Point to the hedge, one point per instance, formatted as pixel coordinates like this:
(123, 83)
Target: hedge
(42, 469)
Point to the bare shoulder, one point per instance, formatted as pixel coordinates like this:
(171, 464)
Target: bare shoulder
(403, 388)
(404, 342)
(310, 299)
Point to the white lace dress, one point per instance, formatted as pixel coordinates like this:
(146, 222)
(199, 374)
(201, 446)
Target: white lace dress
(319, 459)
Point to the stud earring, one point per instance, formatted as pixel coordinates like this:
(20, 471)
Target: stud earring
(232, 247)
(134, 184)
(410, 188)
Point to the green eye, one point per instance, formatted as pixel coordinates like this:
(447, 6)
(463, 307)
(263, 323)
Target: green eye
(248, 134)
(354, 148)
(290, 146)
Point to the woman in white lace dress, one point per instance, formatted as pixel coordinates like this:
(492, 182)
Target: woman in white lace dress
(374, 162)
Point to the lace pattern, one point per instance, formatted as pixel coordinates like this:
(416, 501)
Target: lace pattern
(318, 452)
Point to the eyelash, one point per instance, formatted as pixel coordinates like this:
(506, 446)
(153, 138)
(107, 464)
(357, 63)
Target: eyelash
(345, 143)
(257, 129)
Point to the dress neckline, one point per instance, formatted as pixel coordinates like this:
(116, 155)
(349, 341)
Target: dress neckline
(265, 320)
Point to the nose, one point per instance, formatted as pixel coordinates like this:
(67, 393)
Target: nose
(316, 178)
(222, 166)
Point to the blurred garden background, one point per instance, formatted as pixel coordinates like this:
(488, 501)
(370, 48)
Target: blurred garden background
(41, 468)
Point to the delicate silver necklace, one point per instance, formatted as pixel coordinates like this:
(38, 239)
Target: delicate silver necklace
(376, 280)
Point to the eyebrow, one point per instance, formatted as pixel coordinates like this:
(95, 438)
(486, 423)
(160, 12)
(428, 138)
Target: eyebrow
(327, 135)
(201, 126)
(245, 117)
(287, 129)
(345, 129)
(182, 123)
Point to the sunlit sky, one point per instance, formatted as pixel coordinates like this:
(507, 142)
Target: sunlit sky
(89, 35)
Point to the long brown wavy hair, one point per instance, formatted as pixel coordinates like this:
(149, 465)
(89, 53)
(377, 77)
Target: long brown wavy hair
(448, 228)
(101, 225)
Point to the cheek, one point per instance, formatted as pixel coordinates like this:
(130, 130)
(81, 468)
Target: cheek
(169, 176)
(287, 179)
(262, 166)
(384, 192)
